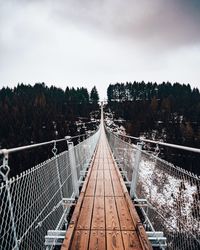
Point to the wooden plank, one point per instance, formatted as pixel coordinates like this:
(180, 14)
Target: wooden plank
(107, 174)
(123, 186)
(143, 237)
(106, 165)
(113, 174)
(108, 188)
(68, 238)
(80, 240)
(131, 241)
(97, 240)
(125, 219)
(124, 189)
(77, 209)
(117, 188)
(98, 217)
(86, 181)
(96, 163)
(98, 153)
(72, 224)
(84, 220)
(112, 221)
(99, 188)
(100, 164)
(133, 212)
(100, 174)
(114, 240)
(93, 175)
(111, 166)
(90, 188)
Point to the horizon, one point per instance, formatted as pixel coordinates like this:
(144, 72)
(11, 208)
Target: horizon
(101, 97)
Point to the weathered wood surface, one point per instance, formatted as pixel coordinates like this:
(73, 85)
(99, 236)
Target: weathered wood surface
(105, 217)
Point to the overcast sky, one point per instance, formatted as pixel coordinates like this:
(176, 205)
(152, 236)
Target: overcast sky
(97, 42)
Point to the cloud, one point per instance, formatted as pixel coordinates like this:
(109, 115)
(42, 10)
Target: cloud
(149, 23)
(91, 42)
(158, 23)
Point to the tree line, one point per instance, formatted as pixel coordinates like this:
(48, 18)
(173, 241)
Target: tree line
(33, 114)
(166, 111)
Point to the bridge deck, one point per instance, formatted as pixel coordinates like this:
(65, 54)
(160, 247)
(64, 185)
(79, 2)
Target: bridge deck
(104, 217)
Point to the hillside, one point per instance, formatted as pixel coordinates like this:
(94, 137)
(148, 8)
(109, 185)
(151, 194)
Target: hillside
(33, 114)
(168, 112)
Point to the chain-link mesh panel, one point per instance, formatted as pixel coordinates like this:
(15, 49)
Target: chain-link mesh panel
(31, 204)
(84, 152)
(173, 194)
(34, 198)
(124, 154)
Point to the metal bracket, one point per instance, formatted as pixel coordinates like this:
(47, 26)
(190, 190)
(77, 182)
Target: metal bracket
(80, 182)
(83, 172)
(157, 239)
(127, 183)
(54, 149)
(68, 138)
(5, 169)
(124, 173)
(54, 237)
(68, 201)
(140, 202)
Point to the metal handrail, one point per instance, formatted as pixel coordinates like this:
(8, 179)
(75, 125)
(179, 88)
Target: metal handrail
(40, 198)
(170, 192)
(12, 150)
(191, 149)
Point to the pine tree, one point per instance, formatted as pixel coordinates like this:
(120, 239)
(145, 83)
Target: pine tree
(94, 96)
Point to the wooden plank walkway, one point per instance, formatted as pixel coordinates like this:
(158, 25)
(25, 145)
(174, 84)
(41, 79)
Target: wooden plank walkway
(104, 217)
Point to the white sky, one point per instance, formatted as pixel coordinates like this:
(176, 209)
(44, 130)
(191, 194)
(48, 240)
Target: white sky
(97, 42)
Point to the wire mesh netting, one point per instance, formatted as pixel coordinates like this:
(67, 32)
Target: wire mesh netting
(172, 193)
(32, 203)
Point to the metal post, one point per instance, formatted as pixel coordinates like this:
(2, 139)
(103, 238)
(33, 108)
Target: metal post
(54, 151)
(136, 169)
(73, 167)
(4, 174)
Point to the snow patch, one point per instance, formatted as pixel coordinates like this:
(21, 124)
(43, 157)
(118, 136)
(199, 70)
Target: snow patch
(171, 195)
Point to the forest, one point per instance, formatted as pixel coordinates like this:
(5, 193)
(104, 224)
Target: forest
(167, 112)
(33, 114)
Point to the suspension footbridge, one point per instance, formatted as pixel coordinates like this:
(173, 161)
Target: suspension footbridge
(105, 217)
(103, 193)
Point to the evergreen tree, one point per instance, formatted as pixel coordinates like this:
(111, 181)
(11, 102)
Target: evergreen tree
(32, 114)
(94, 96)
(167, 111)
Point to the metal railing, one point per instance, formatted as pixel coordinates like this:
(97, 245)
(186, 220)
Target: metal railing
(37, 200)
(170, 195)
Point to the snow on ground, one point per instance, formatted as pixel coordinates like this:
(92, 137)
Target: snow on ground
(117, 129)
(172, 196)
